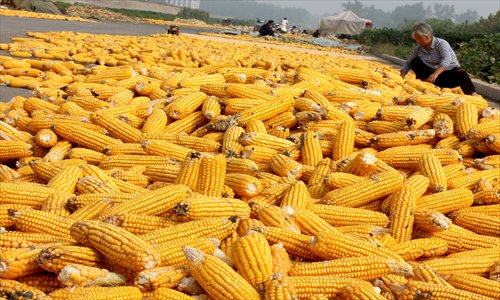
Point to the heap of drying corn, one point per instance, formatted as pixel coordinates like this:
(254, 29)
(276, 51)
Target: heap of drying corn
(167, 167)
(288, 40)
(38, 15)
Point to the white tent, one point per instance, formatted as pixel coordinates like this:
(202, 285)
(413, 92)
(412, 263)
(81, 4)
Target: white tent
(345, 22)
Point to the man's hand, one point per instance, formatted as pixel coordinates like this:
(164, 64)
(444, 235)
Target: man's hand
(403, 73)
(432, 78)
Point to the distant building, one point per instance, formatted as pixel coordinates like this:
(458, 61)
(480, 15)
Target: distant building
(195, 4)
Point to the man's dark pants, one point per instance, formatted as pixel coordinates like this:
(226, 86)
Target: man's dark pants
(449, 79)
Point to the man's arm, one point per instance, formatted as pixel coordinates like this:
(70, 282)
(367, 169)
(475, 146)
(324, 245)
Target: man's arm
(406, 67)
(446, 54)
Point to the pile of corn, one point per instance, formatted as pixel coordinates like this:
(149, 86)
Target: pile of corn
(38, 15)
(176, 168)
(285, 40)
(184, 23)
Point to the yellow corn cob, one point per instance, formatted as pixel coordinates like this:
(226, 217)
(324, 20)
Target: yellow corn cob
(92, 184)
(274, 216)
(208, 227)
(475, 284)
(54, 258)
(97, 293)
(264, 111)
(117, 128)
(92, 210)
(296, 196)
(381, 127)
(155, 122)
(296, 244)
(202, 207)
(419, 117)
(12, 288)
(482, 130)
(285, 119)
(14, 149)
(195, 143)
(327, 286)
(82, 275)
(363, 164)
(469, 180)
(345, 216)
(204, 267)
(150, 204)
(281, 259)
(344, 140)
(407, 157)
(460, 239)
(443, 125)
(139, 224)
(402, 138)
(331, 244)
(253, 259)
(137, 255)
(46, 282)
(367, 267)
(247, 91)
(160, 278)
(420, 248)
(467, 118)
(84, 137)
(211, 175)
(127, 161)
(30, 220)
(431, 221)
(477, 222)
(487, 197)
(231, 146)
(243, 185)
(46, 138)
(187, 124)
(495, 272)
(311, 149)
(211, 108)
(278, 287)
(447, 201)
(15, 263)
(185, 105)
(283, 165)
(362, 192)
(307, 221)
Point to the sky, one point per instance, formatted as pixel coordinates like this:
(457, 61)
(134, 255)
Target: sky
(483, 8)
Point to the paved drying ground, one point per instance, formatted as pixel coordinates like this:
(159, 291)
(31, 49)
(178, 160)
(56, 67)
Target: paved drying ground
(17, 27)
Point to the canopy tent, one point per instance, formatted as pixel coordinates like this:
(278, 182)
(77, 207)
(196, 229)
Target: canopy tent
(345, 22)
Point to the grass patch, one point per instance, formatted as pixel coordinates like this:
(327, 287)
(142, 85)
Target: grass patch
(384, 48)
(143, 14)
(62, 6)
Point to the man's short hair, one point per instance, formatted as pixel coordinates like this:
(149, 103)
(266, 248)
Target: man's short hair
(422, 29)
(270, 22)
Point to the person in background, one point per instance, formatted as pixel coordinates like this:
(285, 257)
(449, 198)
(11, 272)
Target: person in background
(316, 33)
(284, 25)
(294, 30)
(267, 29)
(434, 61)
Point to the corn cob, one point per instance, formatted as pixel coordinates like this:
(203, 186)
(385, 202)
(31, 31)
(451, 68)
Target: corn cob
(232, 287)
(15, 289)
(16, 263)
(97, 293)
(54, 258)
(207, 227)
(362, 192)
(211, 175)
(460, 239)
(477, 222)
(107, 239)
(431, 221)
(160, 278)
